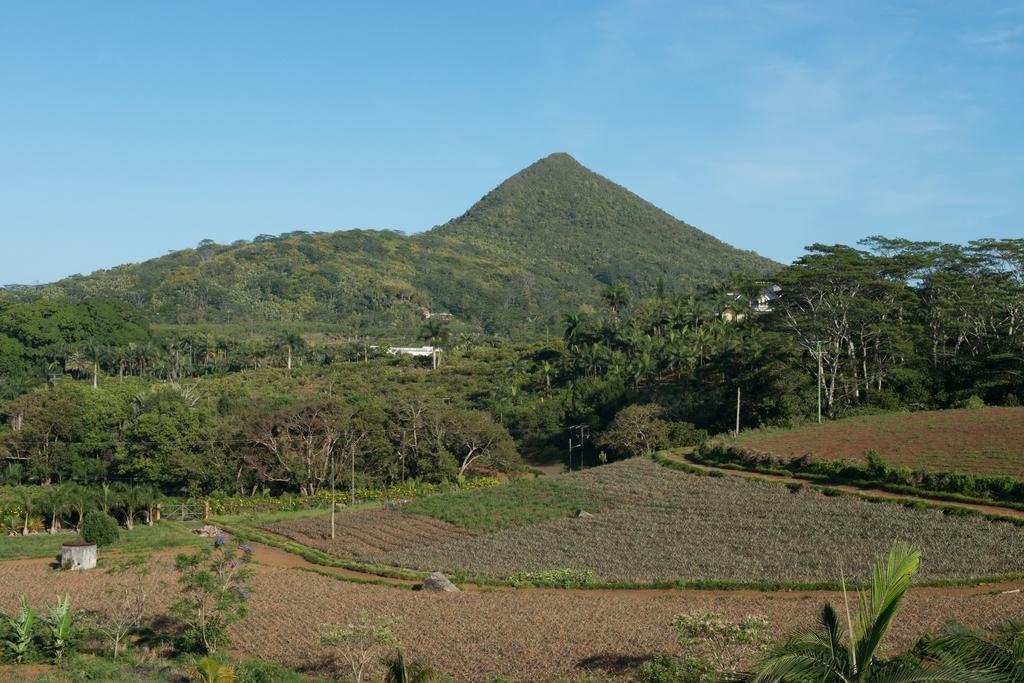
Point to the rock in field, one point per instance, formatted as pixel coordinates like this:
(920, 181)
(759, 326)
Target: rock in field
(438, 582)
(582, 513)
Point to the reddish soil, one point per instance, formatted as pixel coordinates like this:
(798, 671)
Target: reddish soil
(526, 635)
(367, 534)
(984, 441)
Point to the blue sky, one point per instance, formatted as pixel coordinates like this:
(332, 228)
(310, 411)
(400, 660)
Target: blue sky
(128, 129)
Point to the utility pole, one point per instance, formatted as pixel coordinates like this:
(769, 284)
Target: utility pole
(582, 432)
(737, 411)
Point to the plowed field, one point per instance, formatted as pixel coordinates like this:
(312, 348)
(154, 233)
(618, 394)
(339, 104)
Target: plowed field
(532, 635)
(984, 441)
(368, 535)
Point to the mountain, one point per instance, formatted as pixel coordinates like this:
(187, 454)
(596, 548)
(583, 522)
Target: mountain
(546, 241)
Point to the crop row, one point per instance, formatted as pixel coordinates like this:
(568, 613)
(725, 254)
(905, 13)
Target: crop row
(672, 525)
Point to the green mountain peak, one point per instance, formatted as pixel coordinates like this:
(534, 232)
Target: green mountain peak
(545, 241)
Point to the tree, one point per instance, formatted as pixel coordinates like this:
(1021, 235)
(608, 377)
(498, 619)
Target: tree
(832, 653)
(996, 653)
(476, 439)
(27, 499)
(214, 593)
(636, 430)
(617, 297)
(122, 612)
(291, 342)
(298, 443)
(435, 333)
(53, 500)
(48, 419)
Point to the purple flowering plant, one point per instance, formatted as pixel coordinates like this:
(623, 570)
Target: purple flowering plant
(214, 593)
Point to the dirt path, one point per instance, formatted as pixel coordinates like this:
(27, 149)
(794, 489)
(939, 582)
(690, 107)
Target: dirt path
(282, 559)
(681, 456)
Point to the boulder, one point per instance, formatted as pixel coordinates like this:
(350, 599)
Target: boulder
(208, 531)
(582, 513)
(438, 582)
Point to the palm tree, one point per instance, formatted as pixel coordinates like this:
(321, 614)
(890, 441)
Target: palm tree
(616, 297)
(291, 342)
(26, 499)
(998, 651)
(94, 353)
(574, 328)
(53, 501)
(135, 499)
(109, 497)
(832, 653)
(435, 333)
(400, 670)
(547, 370)
(80, 499)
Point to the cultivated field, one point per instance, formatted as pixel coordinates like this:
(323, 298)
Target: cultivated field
(533, 635)
(664, 525)
(983, 441)
(366, 535)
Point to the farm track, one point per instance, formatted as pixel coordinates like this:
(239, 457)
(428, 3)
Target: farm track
(682, 457)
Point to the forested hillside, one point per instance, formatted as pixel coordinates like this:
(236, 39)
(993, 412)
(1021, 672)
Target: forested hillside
(547, 240)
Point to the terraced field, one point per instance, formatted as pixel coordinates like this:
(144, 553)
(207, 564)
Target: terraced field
(666, 525)
(983, 441)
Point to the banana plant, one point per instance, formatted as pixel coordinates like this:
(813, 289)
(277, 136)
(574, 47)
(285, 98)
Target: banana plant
(61, 623)
(21, 629)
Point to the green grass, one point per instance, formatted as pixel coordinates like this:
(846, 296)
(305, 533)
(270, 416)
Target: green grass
(142, 538)
(519, 502)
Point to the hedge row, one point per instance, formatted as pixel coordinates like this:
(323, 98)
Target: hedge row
(873, 471)
(235, 505)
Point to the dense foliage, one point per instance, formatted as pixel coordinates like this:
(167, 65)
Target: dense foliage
(545, 241)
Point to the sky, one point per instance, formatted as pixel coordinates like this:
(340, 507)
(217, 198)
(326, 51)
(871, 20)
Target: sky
(129, 129)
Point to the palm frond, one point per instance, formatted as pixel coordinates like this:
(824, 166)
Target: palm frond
(890, 580)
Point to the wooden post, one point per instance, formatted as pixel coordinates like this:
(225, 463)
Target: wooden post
(158, 512)
(206, 509)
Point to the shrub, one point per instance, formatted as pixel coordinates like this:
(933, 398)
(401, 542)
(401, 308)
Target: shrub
(974, 402)
(214, 593)
(100, 528)
(361, 642)
(553, 578)
(256, 671)
(662, 669)
(209, 670)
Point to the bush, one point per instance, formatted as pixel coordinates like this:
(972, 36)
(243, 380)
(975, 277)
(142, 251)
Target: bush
(256, 671)
(974, 402)
(662, 669)
(100, 528)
